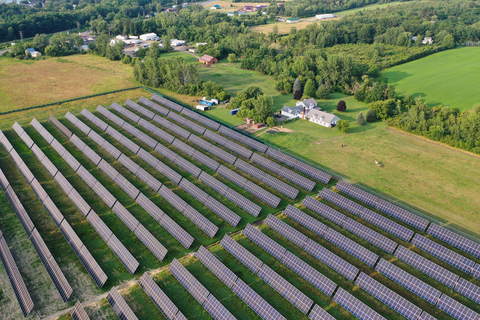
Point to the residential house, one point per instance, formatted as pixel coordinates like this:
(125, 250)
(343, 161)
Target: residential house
(322, 118)
(206, 59)
(293, 20)
(427, 40)
(176, 42)
(307, 103)
(122, 37)
(32, 52)
(292, 112)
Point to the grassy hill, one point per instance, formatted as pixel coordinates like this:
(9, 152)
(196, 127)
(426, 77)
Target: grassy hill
(448, 78)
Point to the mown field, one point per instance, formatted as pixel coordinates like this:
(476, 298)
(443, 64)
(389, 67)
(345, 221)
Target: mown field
(29, 83)
(448, 78)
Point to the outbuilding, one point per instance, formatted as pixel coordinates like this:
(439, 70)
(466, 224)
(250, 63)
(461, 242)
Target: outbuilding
(293, 20)
(206, 59)
(325, 16)
(149, 37)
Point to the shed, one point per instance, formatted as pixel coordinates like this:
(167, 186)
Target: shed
(293, 20)
(206, 59)
(258, 125)
(149, 36)
(324, 16)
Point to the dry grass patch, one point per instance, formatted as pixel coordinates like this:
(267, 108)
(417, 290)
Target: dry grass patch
(29, 83)
(227, 6)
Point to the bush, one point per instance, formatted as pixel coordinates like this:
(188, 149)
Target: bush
(270, 121)
(360, 119)
(371, 116)
(297, 95)
(341, 106)
(343, 126)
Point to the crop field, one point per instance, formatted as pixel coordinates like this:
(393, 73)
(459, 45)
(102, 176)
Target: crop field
(47, 300)
(454, 84)
(57, 79)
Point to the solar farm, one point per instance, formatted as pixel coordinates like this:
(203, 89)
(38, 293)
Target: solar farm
(150, 210)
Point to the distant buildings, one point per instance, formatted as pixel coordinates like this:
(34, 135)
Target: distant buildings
(201, 44)
(32, 52)
(325, 16)
(427, 40)
(307, 109)
(149, 37)
(176, 42)
(293, 20)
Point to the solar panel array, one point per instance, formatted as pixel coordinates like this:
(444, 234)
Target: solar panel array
(284, 172)
(78, 313)
(305, 220)
(187, 123)
(342, 202)
(119, 306)
(266, 178)
(455, 239)
(161, 300)
(318, 313)
(299, 165)
(439, 251)
(426, 266)
(456, 309)
(243, 138)
(60, 126)
(168, 103)
(324, 210)
(387, 224)
(387, 207)
(265, 242)
(476, 271)
(16, 280)
(355, 306)
(135, 106)
(408, 281)
(216, 266)
(229, 144)
(469, 290)
(287, 231)
(153, 105)
(371, 236)
(242, 254)
(389, 297)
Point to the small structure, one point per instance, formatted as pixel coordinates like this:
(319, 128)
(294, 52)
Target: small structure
(208, 60)
(325, 16)
(322, 118)
(122, 37)
(230, 14)
(213, 8)
(259, 125)
(293, 20)
(202, 107)
(201, 44)
(176, 42)
(214, 101)
(234, 111)
(281, 19)
(192, 50)
(149, 37)
(427, 40)
(307, 103)
(217, 6)
(32, 52)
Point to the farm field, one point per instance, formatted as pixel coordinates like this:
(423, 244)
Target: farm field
(57, 79)
(87, 293)
(448, 78)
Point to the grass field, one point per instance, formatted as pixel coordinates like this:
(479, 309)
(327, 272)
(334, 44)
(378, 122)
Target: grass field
(447, 78)
(228, 6)
(57, 79)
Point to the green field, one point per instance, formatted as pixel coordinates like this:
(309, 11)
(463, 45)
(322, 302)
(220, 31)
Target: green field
(448, 78)
(371, 7)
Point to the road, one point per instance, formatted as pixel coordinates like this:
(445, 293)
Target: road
(3, 51)
(207, 3)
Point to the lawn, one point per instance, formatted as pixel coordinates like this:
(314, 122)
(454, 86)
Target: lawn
(234, 80)
(57, 79)
(179, 54)
(371, 7)
(447, 78)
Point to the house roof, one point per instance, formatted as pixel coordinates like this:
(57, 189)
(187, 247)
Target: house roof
(309, 102)
(293, 110)
(317, 114)
(207, 58)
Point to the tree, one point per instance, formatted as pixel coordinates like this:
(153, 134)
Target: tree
(297, 95)
(360, 119)
(40, 42)
(341, 106)
(271, 121)
(263, 108)
(166, 43)
(322, 92)
(53, 51)
(309, 88)
(343, 126)
(297, 85)
(232, 58)
(448, 41)
(371, 116)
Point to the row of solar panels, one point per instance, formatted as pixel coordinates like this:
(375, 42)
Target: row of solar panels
(187, 210)
(460, 262)
(275, 183)
(195, 171)
(16, 280)
(169, 154)
(393, 300)
(45, 255)
(100, 227)
(116, 301)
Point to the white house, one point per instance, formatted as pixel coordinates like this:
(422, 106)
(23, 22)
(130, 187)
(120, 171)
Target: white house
(307, 103)
(176, 42)
(122, 37)
(322, 118)
(292, 112)
(201, 44)
(324, 16)
(149, 37)
(427, 40)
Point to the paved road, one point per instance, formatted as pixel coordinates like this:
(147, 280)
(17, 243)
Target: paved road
(207, 3)
(3, 51)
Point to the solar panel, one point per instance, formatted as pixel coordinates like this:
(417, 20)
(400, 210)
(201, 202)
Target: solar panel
(194, 191)
(205, 160)
(149, 114)
(264, 241)
(402, 214)
(248, 168)
(216, 309)
(166, 152)
(213, 183)
(389, 297)
(340, 201)
(371, 236)
(175, 128)
(127, 186)
(126, 257)
(476, 271)
(318, 313)
(96, 137)
(38, 152)
(222, 211)
(128, 163)
(8, 146)
(255, 302)
(71, 117)
(119, 306)
(216, 267)
(242, 254)
(72, 162)
(357, 193)
(108, 170)
(168, 103)
(92, 267)
(284, 288)
(426, 316)
(148, 158)
(78, 313)
(387, 224)
(19, 210)
(287, 231)
(200, 221)
(262, 194)
(222, 154)
(469, 290)
(79, 124)
(41, 130)
(78, 142)
(63, 182)
(324, 210)
(232, 176)
(152, 143)
(312, 172)
(87, 114)
(355, 306)
(455, 239)
(456, 309)
(150, 242)
(282, 157)
(215, 137)
(200, 142)
(281, 186)
(114, 133)
(309, 273)
(86, 176)
(3, 181)
(196, 289)
(53, 211)
(18, 285)
(243, 202)
(104, 194)
(188, 166)
(26, 172)
(124, 111)
(176, 231)
(172, 198)
(351, 247)
(408, 281)
(331, 260)
(157, 131)
(208, 122)
(305, 220)
(150, 180)
(154, 106)
(79, 202)
(182, 146)
(439, 251)
(168, 172)
(158, 297)
(190, 113)
(38, 189)
(426, 266)
(60, 126)
(129, 144)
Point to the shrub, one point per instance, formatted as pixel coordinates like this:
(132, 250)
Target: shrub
(343, 126)
(341, 106)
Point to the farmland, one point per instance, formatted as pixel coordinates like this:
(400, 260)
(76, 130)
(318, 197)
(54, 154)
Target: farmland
(455, 84)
